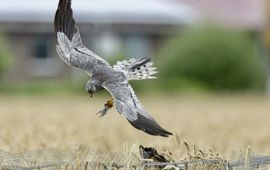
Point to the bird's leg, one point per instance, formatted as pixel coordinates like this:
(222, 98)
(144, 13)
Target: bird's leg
(107, 106)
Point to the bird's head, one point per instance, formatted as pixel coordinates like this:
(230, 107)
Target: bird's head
(92, 86)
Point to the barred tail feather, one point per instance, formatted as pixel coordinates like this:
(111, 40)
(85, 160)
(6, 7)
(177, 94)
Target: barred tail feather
(137, 69)
(142, 72)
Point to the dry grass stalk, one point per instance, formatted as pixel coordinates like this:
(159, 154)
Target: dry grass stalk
(247, 159)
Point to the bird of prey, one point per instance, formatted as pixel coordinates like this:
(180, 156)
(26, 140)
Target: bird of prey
(114, 79)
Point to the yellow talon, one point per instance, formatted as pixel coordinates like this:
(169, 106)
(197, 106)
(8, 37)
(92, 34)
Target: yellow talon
(109, 103)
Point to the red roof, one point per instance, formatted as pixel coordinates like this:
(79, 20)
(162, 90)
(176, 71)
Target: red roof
(247, 14)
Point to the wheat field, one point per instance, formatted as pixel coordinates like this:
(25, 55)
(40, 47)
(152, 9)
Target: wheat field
(227, 124)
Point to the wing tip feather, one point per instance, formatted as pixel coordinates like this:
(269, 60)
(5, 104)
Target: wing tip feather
(149, 126)
(63, 21)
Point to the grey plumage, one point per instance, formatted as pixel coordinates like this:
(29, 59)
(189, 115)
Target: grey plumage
(114, 79)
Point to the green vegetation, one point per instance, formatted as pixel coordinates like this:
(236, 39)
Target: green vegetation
(5, 56)
(208, 57)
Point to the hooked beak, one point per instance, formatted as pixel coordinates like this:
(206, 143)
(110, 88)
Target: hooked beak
(91, 93)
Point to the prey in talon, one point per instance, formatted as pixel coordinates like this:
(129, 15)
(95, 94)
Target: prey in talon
(92, 86)
(107, 106)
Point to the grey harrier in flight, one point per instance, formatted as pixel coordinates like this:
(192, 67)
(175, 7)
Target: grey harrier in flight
(102, 75)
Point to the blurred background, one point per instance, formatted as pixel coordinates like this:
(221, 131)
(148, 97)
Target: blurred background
(216, 49)
(197, 45)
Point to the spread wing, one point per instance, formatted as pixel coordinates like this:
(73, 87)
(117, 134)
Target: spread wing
(70, 47)
(128, 105)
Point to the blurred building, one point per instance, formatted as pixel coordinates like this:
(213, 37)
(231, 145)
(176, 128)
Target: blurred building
(129, 28)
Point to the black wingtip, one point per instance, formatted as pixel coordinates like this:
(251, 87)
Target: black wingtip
(149, 126)
(63, 21)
